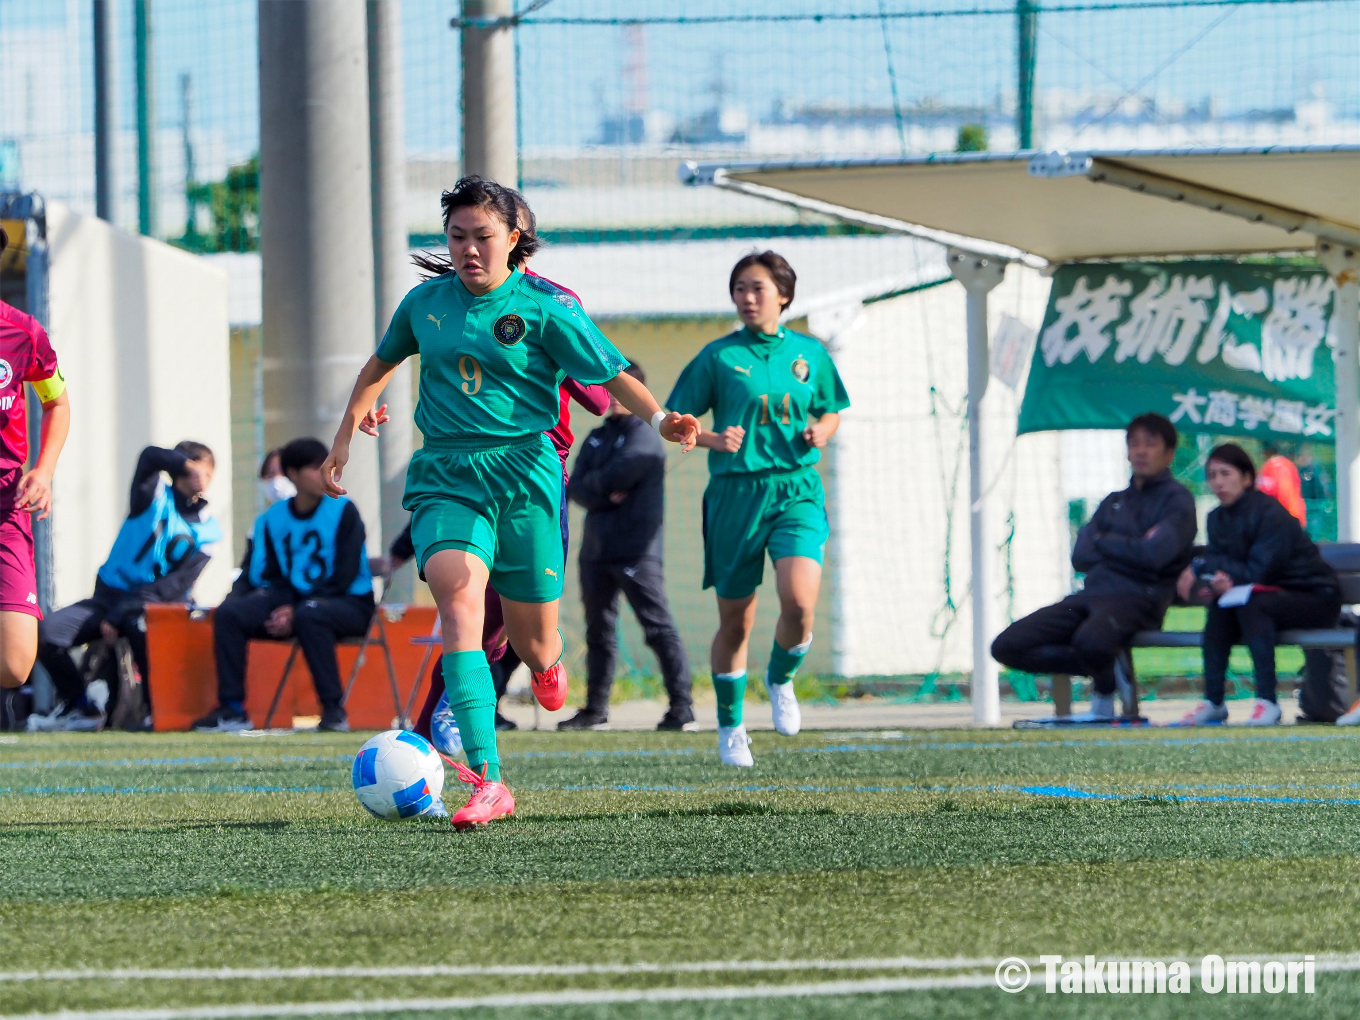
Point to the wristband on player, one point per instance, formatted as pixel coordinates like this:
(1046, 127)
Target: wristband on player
(657, 419)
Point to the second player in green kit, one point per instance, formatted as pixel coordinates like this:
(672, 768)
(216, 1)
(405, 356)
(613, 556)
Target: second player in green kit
(485, 489)
(775, 397)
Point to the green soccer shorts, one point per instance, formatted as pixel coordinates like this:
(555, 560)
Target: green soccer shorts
(502, 503)
(745, 516)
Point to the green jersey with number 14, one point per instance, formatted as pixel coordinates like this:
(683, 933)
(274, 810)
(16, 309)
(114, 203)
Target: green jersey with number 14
(768, 385)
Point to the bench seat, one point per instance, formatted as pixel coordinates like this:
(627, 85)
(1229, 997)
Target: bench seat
(1331, 638)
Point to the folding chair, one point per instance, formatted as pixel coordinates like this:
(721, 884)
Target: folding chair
(375, 634)
(435, 640)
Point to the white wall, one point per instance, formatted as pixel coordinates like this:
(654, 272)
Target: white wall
(140, 330)
(901, 471)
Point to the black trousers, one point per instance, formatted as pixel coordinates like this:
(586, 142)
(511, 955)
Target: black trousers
(643, 584)
(78, 624)
(1079, 636)
(1256, 625)
(317, 625)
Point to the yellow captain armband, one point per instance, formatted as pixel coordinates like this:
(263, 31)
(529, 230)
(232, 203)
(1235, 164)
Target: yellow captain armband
(50, 389)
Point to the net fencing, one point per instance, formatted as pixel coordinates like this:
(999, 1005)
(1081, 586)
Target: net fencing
(611, 97)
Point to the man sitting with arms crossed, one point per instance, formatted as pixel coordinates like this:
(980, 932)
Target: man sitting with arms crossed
(1132, 551)
(310, 579)
(162, 547)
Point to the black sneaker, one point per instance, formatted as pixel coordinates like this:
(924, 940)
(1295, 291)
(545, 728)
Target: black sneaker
(15, 706)
(333, 720)
(673, 720)
(222, 720)
(585, 720)
(502, 723)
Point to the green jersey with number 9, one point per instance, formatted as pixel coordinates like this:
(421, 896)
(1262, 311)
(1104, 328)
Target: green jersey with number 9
(768, 385)
(491, 365)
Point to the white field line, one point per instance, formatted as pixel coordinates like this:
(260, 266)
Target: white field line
(502, 970)
(562, 998)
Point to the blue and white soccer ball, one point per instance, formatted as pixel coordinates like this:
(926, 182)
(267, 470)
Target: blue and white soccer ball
(444, 729)
(399, 775)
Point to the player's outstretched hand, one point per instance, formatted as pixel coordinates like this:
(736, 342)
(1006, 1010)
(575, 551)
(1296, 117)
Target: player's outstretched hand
(35, 494)
(681, 428)
(374, 418)
(816, 435)
(333, 468)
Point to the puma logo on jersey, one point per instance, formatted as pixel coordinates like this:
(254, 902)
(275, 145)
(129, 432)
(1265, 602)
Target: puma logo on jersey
(550, 572)
(744, 371)
(439, 322)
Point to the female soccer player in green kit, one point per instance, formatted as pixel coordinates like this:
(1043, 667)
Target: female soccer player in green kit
(485, 489)
(762, 383)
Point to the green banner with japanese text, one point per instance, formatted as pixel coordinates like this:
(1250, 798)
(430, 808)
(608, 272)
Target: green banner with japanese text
(1218, 347)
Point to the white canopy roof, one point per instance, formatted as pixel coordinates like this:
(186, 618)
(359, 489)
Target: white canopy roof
(1060, 206)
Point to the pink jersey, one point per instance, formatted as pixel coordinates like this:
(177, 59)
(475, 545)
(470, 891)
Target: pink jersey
(26, 356)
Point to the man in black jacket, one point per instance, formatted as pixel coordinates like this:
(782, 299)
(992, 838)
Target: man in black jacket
(161, 548)
(620, 479)
(1132, 552)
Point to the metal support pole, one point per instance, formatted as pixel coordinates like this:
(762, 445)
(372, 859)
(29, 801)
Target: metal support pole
(105, 108)
(490, 143)
(315, 215)
(979, 276)
(1343, 262)
(35, 296)
(391, 265)
(1027, 28)
(146, 121)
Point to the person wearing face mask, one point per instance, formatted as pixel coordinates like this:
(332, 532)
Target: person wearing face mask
(272, 485)
(1273, 578)
(162, 547)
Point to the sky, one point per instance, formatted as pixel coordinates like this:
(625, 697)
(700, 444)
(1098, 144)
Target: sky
(1248, 56)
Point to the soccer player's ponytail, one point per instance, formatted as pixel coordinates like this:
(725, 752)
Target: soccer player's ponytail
(506, 204)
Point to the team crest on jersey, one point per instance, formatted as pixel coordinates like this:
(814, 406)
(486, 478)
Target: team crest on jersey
(6, 374)
(510, 329)
(802, 371)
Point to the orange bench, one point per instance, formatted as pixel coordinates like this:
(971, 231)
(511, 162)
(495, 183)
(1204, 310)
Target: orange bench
(183, 681)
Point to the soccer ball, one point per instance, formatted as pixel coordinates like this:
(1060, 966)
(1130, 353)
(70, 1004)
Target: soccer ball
(444, 729)
(398, 775)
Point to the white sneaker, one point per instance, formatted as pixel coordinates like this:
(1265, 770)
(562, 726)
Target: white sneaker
(734, 746)
(1352, 716)
(1263, 713)
(1102, 706)
(1206, 713)
(788, 720)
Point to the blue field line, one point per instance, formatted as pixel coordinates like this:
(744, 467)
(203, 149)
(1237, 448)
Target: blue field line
(77, 790)
(230, 759)
(1073, 793)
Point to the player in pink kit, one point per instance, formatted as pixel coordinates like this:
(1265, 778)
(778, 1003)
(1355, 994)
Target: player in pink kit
(26, 356)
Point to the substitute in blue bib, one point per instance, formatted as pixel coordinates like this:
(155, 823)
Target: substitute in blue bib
(307, 579)
(776, 400)
(163, 545)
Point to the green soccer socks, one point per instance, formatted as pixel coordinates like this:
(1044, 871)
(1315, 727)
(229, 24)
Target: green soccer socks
(472, 697)
(731, 691)
(784, 663)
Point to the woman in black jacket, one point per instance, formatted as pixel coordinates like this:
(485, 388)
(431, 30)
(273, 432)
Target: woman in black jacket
(1253, 541)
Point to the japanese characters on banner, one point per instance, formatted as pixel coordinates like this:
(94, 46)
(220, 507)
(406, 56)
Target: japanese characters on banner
(1217, 347)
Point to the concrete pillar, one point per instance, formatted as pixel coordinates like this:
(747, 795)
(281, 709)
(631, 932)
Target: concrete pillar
(979, 276)
(105, 108)
(490, 132)
(316, 214)
(391, 252)
(1343, 262)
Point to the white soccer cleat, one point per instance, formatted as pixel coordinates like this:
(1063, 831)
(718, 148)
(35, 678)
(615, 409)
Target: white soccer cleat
(1263, 713)
(1206, 713)
(788, 720)
(734, 746)
(1352, 716)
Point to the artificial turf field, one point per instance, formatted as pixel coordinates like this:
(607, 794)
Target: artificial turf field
(892, 869)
